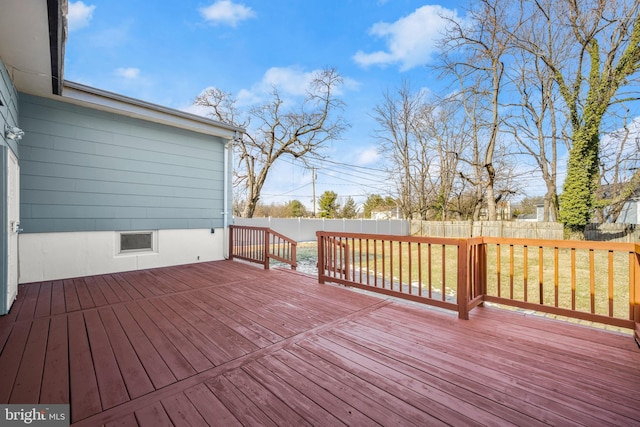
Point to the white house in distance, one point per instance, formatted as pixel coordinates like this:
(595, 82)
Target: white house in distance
(93, 182)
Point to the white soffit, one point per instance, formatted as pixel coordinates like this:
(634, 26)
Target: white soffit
(25, 45)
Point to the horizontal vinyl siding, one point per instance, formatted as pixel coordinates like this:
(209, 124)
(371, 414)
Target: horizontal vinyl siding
(88, 170)
(9, 111)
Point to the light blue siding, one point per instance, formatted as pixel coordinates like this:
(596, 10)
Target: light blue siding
(89, 170)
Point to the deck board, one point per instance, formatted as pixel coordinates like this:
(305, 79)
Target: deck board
(55, 377)
(26, 388)
(226, 343)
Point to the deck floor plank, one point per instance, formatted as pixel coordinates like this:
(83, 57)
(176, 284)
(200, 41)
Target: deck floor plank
(247, 412)
(602, 380)
(153, 416)
(443, 371)
(166, 322)
(84, 296)
(135, 377)
(212, 307)
(26, 388)
(391, 396)
(96, 291)
(500, 360)
(179, 366)
(55, 378)
(113, 390)
(43, 306)
(158, 371)
(299, 402)
(121, 287)
(126, 421)
(229, 342)
(28, 308)
(11, 357)
(211, 409)
(211, 350)
(382, 407)
(273, 406)
(182, 412)
(58, 301)
(136, 289)
(84, 392)
(245, 318)
(71, 300)
(226, 343)
(110, 296)
(301, 386)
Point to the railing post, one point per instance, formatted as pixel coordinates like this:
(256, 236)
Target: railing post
(266, 238)
(320, 244)
(635, 294)
(294, 258)
(231, 242)
(463, 278)
(481, 288)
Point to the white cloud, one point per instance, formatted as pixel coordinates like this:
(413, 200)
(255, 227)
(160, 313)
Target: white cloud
(410, 41)
(128, 73)
(79, 15)
(289, 81)
(226, 12)
(368, 156)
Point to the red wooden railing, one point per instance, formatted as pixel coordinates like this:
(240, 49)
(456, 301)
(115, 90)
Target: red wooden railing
(409, 267)
(260, 245)
(594, 281)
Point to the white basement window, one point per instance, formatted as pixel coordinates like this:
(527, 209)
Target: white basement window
(139, 241)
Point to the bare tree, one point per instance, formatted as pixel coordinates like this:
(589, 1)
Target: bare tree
(444, 126)
(275, 129)
(596, 53)
(537, 125)
(475, 51)
(402, 140)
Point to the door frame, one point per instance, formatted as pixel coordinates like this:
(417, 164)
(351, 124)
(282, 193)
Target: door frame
(4, 230)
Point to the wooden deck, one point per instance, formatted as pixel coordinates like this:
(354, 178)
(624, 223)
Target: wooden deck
(225, 343)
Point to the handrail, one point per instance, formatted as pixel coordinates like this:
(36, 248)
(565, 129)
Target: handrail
(593, 281)
(403, 266)
(260, 245)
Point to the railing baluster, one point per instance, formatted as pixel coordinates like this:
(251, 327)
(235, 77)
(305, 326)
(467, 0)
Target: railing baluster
(525, 261)
(498, 270)
(573, 278)
(556, 281)
(430, 273)
(592, 282)
(610, 282)
(443, 289)
(511, 271)
(541, 274)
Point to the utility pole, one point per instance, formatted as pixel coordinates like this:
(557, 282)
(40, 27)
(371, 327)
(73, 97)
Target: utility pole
(313, 188)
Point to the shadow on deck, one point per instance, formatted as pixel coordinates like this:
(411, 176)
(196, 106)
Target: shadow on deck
(225, 343)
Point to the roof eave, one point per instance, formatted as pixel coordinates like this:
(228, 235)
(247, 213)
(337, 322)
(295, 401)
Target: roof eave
(57, 37)
(120, 104)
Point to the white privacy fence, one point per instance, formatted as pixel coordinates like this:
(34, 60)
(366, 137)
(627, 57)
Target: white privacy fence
(304, 229)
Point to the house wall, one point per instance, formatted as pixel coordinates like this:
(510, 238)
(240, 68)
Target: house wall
(52, 256)
(630, 213)
(87, 174)
(8, 116)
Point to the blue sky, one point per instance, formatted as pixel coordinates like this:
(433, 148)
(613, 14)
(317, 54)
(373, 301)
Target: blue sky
(167, 52)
